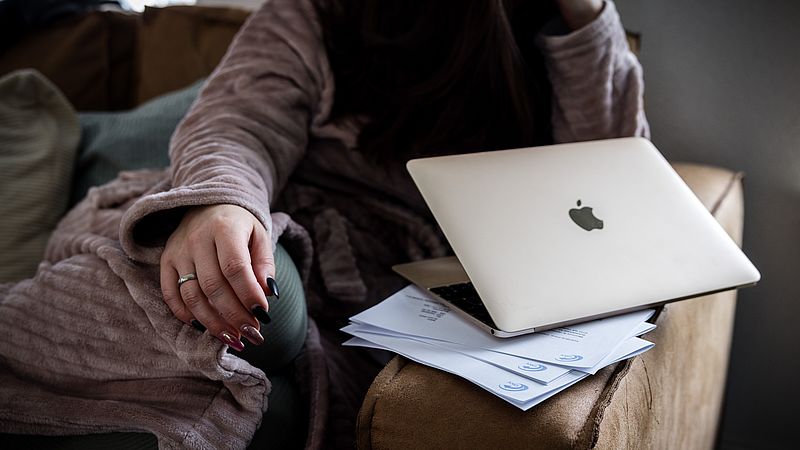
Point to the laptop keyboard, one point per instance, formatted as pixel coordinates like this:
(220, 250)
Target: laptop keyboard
(466, 298)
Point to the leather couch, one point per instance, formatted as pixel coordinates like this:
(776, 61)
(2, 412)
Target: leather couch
(670, 397)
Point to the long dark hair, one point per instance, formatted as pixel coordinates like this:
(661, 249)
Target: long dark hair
(439, 76)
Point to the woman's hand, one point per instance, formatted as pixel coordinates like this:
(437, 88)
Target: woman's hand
(230, 253)
(579, 13)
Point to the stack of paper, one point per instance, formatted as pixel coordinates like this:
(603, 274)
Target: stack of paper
(524, 370)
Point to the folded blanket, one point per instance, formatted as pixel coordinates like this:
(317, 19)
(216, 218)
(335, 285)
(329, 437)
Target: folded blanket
(93, 347)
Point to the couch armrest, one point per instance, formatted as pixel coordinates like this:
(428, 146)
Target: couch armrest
(670, 397)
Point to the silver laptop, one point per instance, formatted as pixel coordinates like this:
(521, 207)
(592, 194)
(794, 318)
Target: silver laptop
(550, 236)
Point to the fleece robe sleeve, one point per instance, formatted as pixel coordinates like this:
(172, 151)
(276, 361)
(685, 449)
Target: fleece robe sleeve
(248, 128)
(597, 82)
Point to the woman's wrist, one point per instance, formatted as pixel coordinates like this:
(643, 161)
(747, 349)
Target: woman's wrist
(579, 13)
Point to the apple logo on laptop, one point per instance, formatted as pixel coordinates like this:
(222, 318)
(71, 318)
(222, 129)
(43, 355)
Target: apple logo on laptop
(585, 218)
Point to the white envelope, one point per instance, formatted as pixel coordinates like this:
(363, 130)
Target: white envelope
(516, 390)
(538, 371)
(412, 311)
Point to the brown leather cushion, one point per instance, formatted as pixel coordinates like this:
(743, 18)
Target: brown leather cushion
(90, 59)
(181, 44)
(110, 61)
(670, 397)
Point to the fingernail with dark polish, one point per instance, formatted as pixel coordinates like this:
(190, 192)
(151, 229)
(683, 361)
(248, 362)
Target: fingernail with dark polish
(261, 314)
(230, 340)
(198, 326)
(252, 334)
(273, 287)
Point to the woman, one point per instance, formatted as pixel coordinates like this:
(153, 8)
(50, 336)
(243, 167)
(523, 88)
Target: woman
(387, 77)
(313, 112)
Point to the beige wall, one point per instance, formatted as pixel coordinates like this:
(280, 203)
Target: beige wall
(722, 88)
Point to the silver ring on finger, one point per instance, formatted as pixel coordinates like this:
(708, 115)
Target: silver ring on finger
(188, 277)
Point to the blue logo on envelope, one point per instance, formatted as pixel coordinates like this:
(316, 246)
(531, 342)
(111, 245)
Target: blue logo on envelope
(569, 358)
(532, 367)
(513, 387)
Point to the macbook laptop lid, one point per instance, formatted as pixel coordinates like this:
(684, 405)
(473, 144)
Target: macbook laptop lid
(560, 234)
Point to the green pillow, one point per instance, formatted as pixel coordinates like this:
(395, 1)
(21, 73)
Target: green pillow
(129, 140)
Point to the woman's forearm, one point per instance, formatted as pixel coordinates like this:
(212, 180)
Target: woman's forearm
(597, 82)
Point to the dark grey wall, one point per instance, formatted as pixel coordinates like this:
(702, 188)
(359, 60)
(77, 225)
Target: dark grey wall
(723, 87)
